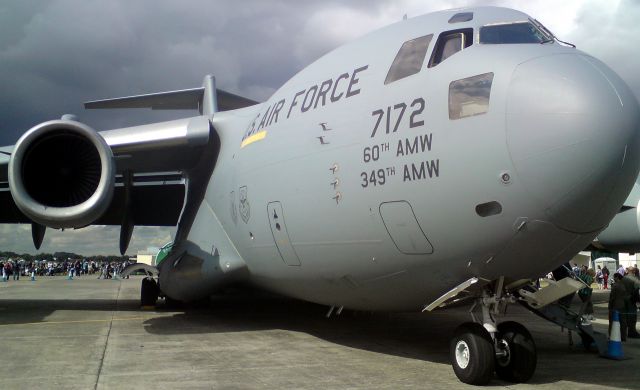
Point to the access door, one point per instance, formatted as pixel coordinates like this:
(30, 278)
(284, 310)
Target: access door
(280, 234)
(404, 229)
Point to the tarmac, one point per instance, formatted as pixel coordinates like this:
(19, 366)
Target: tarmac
(87, 333)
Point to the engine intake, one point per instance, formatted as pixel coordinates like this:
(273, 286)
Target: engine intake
(61, 174)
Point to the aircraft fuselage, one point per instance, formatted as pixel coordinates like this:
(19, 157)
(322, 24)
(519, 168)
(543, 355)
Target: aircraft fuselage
(346, 190)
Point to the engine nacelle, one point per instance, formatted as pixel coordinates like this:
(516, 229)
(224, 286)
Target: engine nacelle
(623, 232)
(62, 174)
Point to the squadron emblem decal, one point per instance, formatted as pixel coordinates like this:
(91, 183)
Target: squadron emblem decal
(245, 208)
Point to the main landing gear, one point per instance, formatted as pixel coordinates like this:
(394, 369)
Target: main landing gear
(149, 292)
(480, 348)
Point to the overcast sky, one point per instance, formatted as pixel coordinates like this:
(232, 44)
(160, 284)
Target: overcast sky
(54, 55)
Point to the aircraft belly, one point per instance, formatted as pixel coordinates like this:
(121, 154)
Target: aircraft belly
(411, 288)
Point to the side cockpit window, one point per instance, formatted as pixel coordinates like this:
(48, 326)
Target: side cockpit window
(470, 96)
(409, 59)
(449, 43)
(516, 32)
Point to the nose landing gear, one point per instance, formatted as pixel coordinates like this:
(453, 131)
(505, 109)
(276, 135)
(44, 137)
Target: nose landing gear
(480, 348)
(471, 353)
(149, 292)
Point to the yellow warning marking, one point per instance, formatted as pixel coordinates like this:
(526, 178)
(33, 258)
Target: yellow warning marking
(74, 322)
(254, 138)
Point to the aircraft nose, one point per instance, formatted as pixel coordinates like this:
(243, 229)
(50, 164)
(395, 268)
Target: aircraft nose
(573, 132)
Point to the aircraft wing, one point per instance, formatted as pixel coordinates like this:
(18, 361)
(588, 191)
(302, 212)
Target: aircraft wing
(168, 198)
(154, 158)
(63, 174)
(185, 99)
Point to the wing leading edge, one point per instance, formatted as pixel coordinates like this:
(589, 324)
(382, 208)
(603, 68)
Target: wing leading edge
(185, 99)
(150, 175)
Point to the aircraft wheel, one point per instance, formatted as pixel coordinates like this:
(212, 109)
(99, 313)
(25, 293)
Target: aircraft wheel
(471, 354)
(148, 292)
(519, 362)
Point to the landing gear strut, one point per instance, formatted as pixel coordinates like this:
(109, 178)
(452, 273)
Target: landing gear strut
(480, 348)
(149, 292)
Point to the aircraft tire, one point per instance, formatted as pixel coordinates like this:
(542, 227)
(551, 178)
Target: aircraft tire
(520, 364)
(471, 354)
(148, 292)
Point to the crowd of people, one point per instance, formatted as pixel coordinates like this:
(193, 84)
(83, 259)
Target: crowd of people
(624, 295)
(624, 298)
(12, 269)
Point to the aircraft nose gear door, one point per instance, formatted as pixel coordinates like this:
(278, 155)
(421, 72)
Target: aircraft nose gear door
(281, 235)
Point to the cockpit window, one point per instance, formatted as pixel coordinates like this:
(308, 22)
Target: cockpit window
(470, 96)
(449, 43)
(409, 59)
(519, 32)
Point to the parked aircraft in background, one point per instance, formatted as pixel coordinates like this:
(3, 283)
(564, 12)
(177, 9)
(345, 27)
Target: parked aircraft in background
(459, 154)
(623, 232)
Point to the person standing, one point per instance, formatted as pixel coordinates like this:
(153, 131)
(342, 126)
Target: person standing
(617, 302)
(631, 285)
(7, 269)
(599, 277)
(605, 276)
(16, 271)
(585, 295)
(621, 270)
(576, 269)
(4, 273)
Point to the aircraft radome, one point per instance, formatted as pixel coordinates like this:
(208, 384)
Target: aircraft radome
(458, 154)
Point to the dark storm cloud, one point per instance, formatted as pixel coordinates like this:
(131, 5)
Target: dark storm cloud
(57, 54)
(54, 55)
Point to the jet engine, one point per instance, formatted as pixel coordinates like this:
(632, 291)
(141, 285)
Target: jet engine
(62, 174)
(623, 232)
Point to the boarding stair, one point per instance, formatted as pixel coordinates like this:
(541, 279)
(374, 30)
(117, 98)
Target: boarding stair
(553, 303)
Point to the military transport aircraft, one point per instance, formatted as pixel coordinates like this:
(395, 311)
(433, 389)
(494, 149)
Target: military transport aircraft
(455, 155)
